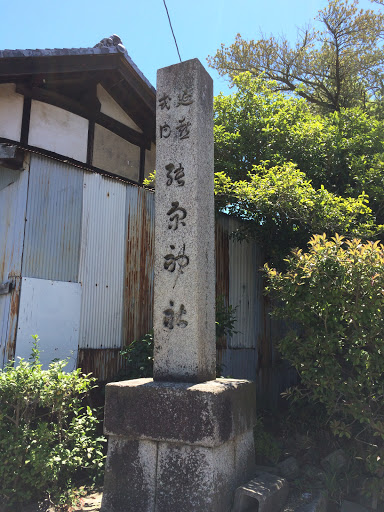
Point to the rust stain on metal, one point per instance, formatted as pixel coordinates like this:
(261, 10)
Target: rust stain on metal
(10, 347)
(222, 260)
(104, 364)
(138, 286)
(222, 275)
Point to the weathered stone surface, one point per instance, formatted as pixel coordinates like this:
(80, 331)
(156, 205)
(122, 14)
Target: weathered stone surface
(207, 414)
(313, 472)
(195, 478)
(245, 467)
(265, 493)
(130, 473)
(319, 504)
(334, 461)
(145, 476)
(289, 468)
(184, 300)
(348, 506)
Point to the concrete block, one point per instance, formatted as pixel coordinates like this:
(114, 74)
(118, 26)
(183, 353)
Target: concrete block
(130, 476)
(244, 457)
(207, 414)
(195, 478)
(266, 493)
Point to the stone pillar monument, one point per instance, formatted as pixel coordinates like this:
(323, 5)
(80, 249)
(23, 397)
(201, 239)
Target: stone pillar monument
(182, 441)
(184, 292)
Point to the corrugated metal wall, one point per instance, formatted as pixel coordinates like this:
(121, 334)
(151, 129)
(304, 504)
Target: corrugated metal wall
(102, 262)
(89, 228)
(238, 356)
(249, 353)
(139, 263)
(53, 227)
(13, 200)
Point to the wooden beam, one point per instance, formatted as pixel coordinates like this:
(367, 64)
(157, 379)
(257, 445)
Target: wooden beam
(13, 67)
(61, 101)
(25, 120)
(90, 141)
(56, 99)
(123, 131)
(142, 165)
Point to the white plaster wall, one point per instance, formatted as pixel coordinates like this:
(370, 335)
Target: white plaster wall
(112, 109)
(150, 160)
(57, 130)
(114, 154)
(11, 112)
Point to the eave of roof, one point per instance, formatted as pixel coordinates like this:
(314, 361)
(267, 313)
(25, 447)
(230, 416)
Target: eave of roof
(110, 65)
(59, 52)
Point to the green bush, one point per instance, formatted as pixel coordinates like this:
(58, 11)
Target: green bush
(139, 358)
(335, 294)
(48, 440)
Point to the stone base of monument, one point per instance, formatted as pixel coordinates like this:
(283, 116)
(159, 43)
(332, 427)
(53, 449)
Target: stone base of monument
(177, 447)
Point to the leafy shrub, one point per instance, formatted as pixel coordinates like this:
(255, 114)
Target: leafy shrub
(48, 439)
(139, 358)
(335, 293)
(225, 320)
(266, 446)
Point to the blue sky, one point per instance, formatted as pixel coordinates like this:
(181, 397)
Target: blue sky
(200, 26)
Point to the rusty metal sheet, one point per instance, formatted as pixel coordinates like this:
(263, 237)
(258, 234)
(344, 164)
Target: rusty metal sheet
(53, 228)
(104, 364)
(222, 256)
(222, 269)
(9, 313)
(102, 262)
(13, 200)
(139, 263)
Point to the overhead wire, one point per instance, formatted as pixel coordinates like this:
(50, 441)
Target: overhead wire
(170, 24)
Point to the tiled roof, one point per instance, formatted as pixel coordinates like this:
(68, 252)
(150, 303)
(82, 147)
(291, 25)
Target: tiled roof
(58, 52)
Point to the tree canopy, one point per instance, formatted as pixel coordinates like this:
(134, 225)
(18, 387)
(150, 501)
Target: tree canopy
(291, 172)
(338, 63)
